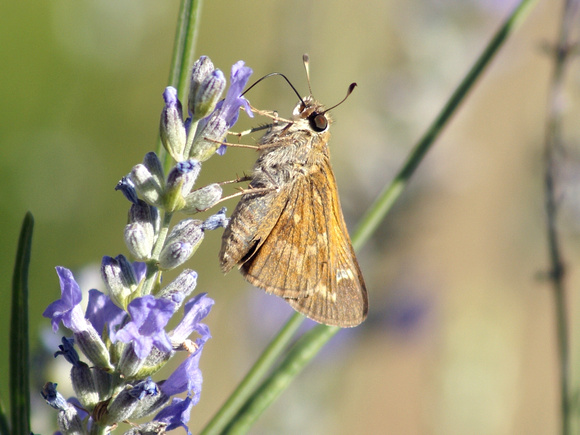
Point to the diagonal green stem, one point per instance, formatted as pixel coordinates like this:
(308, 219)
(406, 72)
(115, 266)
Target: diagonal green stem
(307, 348)
(308, 345)
(254, 376)
(389, 195)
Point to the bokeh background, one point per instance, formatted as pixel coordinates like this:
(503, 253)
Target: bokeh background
(460, 337)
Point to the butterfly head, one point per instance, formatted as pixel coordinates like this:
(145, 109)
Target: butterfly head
(313, 113)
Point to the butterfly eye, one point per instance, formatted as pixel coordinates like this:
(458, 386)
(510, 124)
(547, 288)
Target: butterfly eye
(318, 122)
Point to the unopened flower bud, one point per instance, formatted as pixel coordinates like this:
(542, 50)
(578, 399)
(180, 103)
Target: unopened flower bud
(81, 374)
(119, 278)
(141, 230)
(179, 183)
(200, 71)
(123, 406)
(53, 397)
(181, 243)
(171, 128)
(175, 255)
(104, 383)
(84, 385)
(153, 164)
(207, 139)
(148, 406)
(69, 421)
(92, 346)
(129, 363)
(188, 230)
(202, 199)
(207, 95)
(139, 240)
(146, 184)
(180, 288)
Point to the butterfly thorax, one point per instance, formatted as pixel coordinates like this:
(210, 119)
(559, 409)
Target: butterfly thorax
(290, 150)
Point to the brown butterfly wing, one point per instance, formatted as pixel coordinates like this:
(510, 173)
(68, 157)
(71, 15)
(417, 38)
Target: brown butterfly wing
(307, 257)
(250, 224)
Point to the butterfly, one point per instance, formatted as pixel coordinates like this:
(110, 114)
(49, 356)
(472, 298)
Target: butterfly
(287, 234)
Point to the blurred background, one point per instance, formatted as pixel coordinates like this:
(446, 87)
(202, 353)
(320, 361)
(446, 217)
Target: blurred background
(460, 336)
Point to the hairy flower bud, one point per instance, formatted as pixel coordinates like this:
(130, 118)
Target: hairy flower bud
(126, 402)
(200, 71)
(179, 183)
(119, 277)
(147, 185)
(207, 139)
(181, 243)
(207, 95)
(141, 230)
(180, 288)
(171, 128)
(202, 199)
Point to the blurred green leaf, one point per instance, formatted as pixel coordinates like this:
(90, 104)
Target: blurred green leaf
(19, 377)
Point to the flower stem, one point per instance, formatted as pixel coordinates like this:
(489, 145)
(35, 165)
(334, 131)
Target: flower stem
(183, 56)
(552, 145)
(389, 195)
(153, 272)
(254, 376)
(305, 349)
(309, 344)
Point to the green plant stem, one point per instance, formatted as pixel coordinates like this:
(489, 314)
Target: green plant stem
(183, 57)
(389, 195)
(307, 346)
(298, 357)
(153, 272)
(553, 143)
(254, 376)
(4, 426)
(19, 363)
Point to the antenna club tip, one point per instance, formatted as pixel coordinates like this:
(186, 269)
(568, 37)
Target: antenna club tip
(351, 87)
(305, 58)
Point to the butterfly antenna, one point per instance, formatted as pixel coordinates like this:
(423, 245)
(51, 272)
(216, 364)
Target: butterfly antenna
(275, 74)
(350, 89)
(306, 61)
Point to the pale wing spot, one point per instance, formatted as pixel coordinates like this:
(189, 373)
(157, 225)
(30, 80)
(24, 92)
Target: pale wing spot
(297, 218)
(322, 289)
(311, 250)
(344, 274)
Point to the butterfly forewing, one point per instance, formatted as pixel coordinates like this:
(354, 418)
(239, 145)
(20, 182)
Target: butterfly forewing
(341, 298)
(291, 246)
